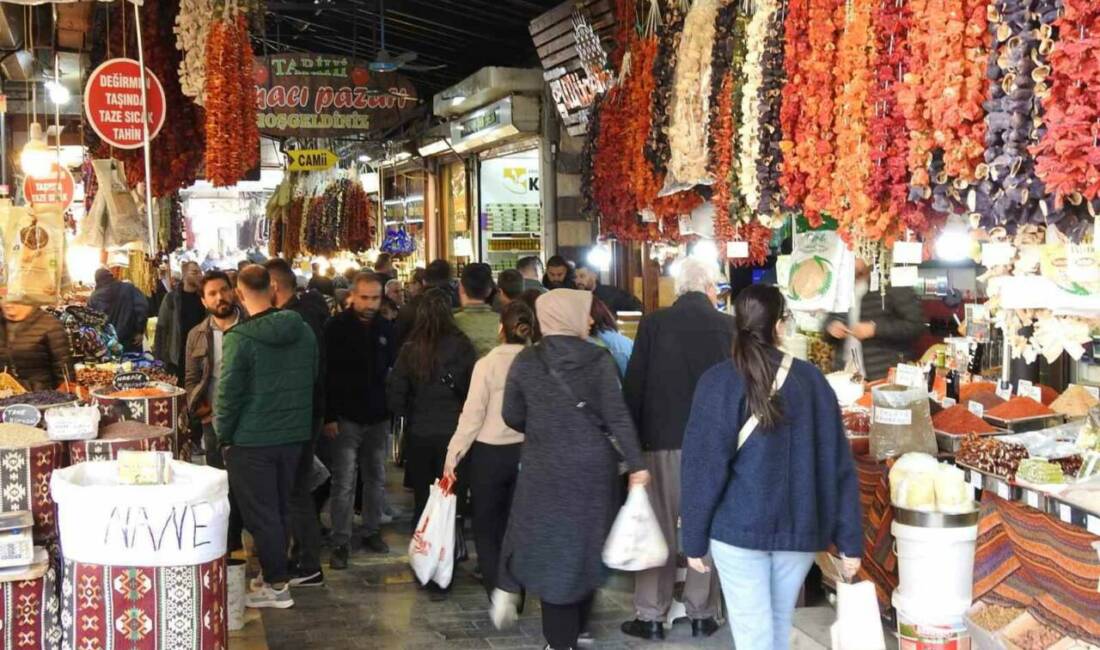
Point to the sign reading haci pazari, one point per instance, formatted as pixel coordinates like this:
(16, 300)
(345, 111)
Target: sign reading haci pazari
(321, 95)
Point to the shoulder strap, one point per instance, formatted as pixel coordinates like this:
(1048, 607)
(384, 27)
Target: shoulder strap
(780, 379)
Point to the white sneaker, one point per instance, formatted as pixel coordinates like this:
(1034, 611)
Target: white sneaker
(268, 596)
(505, 609)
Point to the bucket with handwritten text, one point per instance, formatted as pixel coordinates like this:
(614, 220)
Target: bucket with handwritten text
(146, 560)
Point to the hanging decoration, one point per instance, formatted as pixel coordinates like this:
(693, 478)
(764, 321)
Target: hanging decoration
(1068, 154)
(770, 98)
(796, 37)
(749, 134)
(192, 28)
(738, 207)
(669, 30)
(850, 204)
(232, 135)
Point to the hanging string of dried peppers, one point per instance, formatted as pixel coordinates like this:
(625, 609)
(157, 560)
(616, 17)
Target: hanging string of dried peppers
(232, 134)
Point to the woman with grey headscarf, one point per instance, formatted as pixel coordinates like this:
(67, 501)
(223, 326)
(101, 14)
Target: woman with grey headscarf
(564, 395)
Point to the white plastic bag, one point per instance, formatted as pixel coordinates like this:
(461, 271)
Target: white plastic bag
(858, 623)
(636, 542)
(431, 549)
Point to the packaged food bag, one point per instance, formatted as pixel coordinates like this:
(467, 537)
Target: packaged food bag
(635, 542)
(901, 422)
(34, 252)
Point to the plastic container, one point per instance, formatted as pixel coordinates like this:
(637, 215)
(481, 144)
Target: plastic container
(935, 571)
(915, 635)
(72, 423)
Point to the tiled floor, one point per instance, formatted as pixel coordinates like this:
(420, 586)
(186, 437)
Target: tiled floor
(376, 604)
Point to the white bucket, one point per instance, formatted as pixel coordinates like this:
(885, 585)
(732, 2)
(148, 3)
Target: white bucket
(948, 635)
(236, 585)
(935, 572)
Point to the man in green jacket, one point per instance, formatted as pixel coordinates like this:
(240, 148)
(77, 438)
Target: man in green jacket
(264, 415)
(477, 319)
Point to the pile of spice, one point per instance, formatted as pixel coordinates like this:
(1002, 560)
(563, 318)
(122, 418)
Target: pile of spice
(39, 398)
(18, 436)
(1037, 637)
(148, 391)
(1075, 402)
(991, 456)
(1047, 394)
(994, 617)
(960, 421)
(1017, 408)
(968, 391)
(131, 430)
(987, 400)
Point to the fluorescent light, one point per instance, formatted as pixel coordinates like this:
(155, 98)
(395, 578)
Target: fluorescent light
(457, 99)
(364, 158)
(435, 147)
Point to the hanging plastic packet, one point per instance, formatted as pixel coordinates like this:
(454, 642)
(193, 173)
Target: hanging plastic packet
(34, 252)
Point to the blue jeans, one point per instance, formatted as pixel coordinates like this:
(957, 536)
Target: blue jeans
(761, 589)
(359, 447)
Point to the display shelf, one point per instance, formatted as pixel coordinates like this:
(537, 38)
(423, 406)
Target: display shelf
(1044, 502)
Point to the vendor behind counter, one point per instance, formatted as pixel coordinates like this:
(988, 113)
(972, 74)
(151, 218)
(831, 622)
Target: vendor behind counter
(34, 347)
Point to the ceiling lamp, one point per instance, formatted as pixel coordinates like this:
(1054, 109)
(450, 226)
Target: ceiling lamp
(36, 159)
(59, 94)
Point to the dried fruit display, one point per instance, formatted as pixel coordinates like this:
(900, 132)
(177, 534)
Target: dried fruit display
(232, 135)
(849, 202)
(991, 456)
(664, 64)
(721, 162)
(759, 238)
(749, 133)
(770, 97)
(690, 106)
(797, 41)
(192, 28)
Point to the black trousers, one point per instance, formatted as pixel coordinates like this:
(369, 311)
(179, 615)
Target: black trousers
(492, 472)
(214, 459)
(305, 527)
(425, 458)
(562, 624)
(262, 478)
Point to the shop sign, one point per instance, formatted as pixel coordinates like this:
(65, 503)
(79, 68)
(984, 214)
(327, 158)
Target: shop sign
(311, 160)
(321, 95)
(56, 188)
(21, 414)
(570, 42)
(112, 102)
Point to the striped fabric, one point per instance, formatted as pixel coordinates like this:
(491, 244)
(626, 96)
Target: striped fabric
(1029, 559)
(880, 563)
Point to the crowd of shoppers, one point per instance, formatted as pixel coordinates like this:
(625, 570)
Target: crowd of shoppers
(523, 391)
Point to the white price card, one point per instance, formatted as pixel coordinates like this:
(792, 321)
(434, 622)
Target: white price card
(975, 480)
(1064, 513)
(1034, 392)
(977, 408)
(1002, 489)
(903, 417)
(1092, 524)
(997, 254)
(1004, 393)
(948, 402)
(909, 375)
(1023, 385)
(1093, 390)
(1032, 498)
(904, 276)
(737, 250)
(908, 252)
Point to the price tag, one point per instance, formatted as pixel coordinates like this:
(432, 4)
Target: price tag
(977, 408)
(908, 375)
(1034, 393)
(1004, 393)
(1032, 498)
(1022, 386)
(737, 250)
(997, 254)
(21, 414)
(130, 380)
(908, 252)
(975, 480)
(1064, 513)
(903, 417)
(1093, 390)
(1092, 524)
(1002, 489)
(948, 402)
(904, 276)
(686, 227)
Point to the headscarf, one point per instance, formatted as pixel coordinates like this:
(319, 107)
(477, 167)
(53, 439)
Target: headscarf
(103, 277)
(564, 312)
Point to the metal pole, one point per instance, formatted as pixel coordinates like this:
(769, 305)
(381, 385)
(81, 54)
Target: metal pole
(145, 135)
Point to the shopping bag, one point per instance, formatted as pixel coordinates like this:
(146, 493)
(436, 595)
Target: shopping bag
(636, 542)
(431, 549)
(858, 622)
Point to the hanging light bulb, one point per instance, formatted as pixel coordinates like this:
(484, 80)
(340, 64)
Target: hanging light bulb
(36, 159)
(59, 94)
(600, 256)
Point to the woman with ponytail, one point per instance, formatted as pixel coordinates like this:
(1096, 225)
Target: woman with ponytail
(493, 448)
(767, 475)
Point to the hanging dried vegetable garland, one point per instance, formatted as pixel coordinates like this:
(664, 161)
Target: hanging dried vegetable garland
(1068, 155)
(358, 218)
(759, 239)
(176, 154)
(749, 134)
(232, 134)
(770, 98)
(664, 64)
(738, 208)
(850, 203)
(192, 29)
(810, 147)
(721, 163)
(687, 128)
(797, 41)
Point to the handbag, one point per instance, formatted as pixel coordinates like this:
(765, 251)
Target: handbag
(583, 407)
(780, 378)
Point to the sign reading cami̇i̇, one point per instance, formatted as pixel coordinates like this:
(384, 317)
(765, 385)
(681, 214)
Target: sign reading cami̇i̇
(112, 102)
(321, 95)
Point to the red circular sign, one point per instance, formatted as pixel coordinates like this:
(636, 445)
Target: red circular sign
(112, 101)
(57, 188)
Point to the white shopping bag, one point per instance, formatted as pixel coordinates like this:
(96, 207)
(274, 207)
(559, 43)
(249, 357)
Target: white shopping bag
(431, 550)
(636, 542)
(858, 622)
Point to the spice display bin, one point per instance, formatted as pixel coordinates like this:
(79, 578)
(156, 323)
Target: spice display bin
(30, 608)
(1033, 423)
(107, 446)
(949, 443)
(25, 482)
(168, 410)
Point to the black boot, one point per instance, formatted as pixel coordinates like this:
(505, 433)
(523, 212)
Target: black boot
(703, 626)
(651, 630)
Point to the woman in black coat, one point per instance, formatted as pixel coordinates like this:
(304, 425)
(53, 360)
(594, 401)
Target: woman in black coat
(428, 387)
(568, 491)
